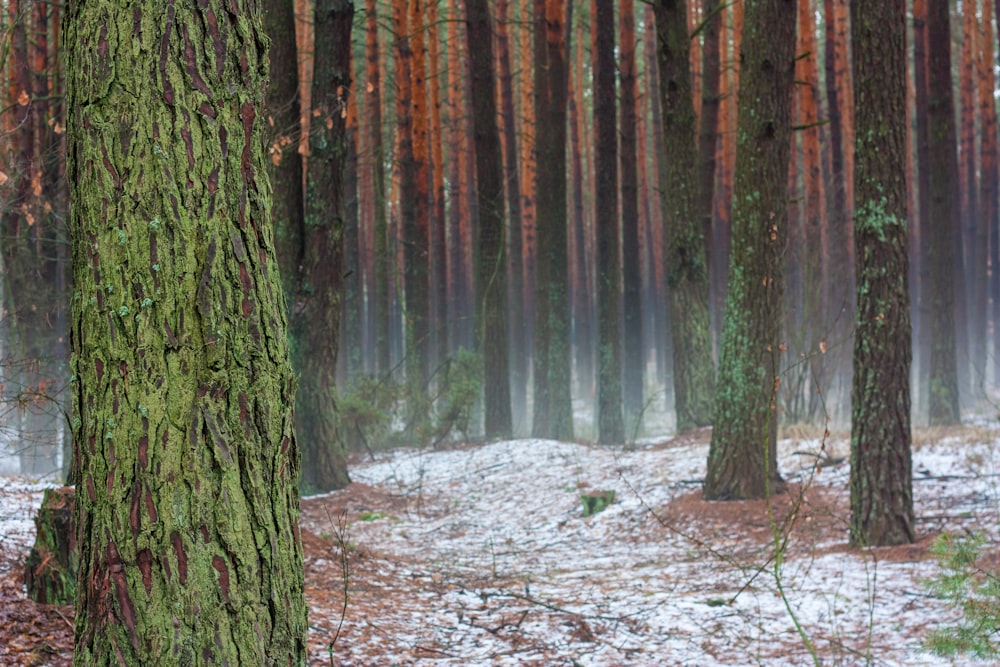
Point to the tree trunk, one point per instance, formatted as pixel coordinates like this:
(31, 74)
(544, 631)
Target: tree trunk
(315, 317)
(515, 237)
(491, 263)
(380, 248)
(741, 460)
(881, 477)
(943, 407)
(187, 506)
(634, 360)
(50, 571)
(989, 188)
(610, 426)
(553, 413)
(437, 234)
(284, 131)
(687, 271)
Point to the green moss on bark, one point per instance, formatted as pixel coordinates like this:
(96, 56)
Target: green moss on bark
(187, 509)
(741, 460)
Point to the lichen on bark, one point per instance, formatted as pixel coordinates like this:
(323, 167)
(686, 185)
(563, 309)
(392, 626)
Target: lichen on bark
(187, 504)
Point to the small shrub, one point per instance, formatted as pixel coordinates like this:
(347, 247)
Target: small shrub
(972, 588)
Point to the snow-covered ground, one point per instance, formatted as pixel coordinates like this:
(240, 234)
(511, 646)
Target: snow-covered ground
(483, 556)
(515, 574)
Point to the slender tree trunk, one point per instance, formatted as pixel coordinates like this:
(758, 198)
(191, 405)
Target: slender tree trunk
(742, 457)
(383, 264)
(839, 186)
(708, 128)
(515, 240)
(989, 184)
(437, 234)
(610, 426)
(632, 388)
(581, 269)
(284, 132)
(985, 198)
(943, 395)
(315, 318)
(416, 219)
(491, 264)
(881, 476)
(187, 505)
(553, 413)
(687, 272)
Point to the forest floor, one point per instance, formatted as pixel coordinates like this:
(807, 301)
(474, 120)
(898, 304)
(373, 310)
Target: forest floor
(482, 555)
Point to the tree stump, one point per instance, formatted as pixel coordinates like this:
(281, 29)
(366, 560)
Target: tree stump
(51, 567)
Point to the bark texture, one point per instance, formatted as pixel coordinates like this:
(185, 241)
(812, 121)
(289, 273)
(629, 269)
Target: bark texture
(881, 477)
(553, 413)
(610, 425)
(187, 509)
(943, 396)
(316, 312)
(687, 267)
(741, 459)
(491, 262)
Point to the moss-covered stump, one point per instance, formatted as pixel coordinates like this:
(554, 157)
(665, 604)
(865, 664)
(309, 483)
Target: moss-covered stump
(50, 570)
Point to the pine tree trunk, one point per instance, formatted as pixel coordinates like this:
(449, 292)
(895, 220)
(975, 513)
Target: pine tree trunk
(515, 238)
(881, 476)
(187, 505)
(380, 247)
(634, 361)
(741, 460)
(943, 407)
(610, 425)
(491, 263)
(687, 271)
(553, 414)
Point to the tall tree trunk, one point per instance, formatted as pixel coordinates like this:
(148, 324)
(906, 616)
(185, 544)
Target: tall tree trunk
(315, 317)
(284, 132)
(687, 273)
(491, 264)
(943, 396)
(581, 268)
(741, 460)
(839, 186)
(985, 198)
(632, 388)
(437, 234)
(708, 129)
(610, 426)
(515, 238)
(383, 263)
(416, 220)
(553, 413)
(989, 184)
(187, 505)
(881, 476)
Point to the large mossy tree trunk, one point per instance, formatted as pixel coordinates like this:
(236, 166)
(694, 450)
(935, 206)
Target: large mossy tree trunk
(187, 508)
(687, 265)
(881, 476)
(315, 314)
(491, 261)
(553, 410)
(741, 459)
